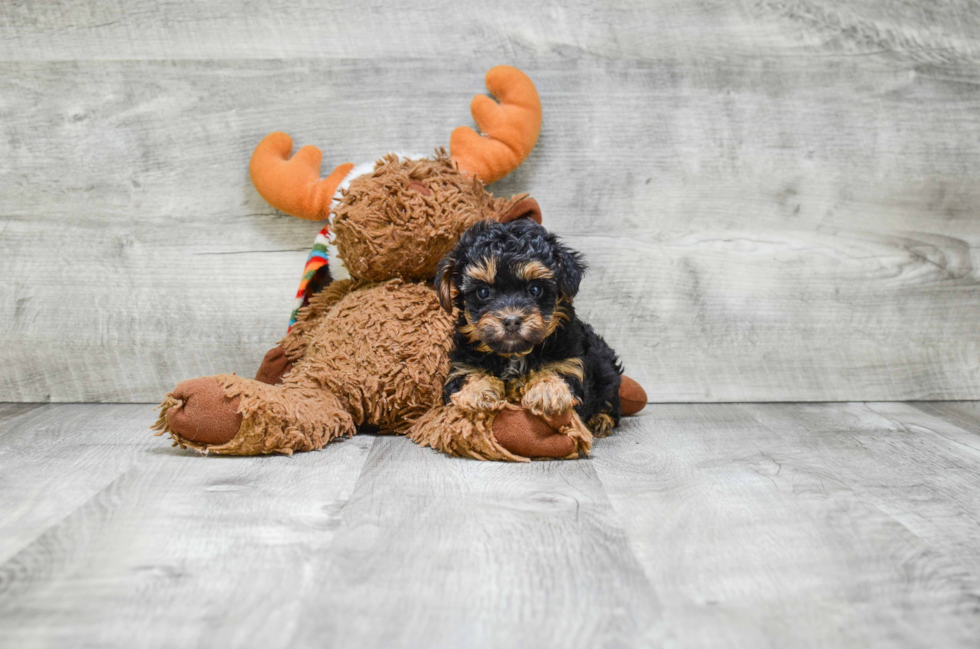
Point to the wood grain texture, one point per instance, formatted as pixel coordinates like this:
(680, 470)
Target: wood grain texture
(693, 525)
(778, 199)
(54, 459)
(964, 414)
(838, 525)
(437, 29)
(169, 544)
(461, 553)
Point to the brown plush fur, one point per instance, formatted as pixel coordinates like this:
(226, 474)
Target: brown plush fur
(372, 350)
(455, 431)
(382, 350)
(379, 210)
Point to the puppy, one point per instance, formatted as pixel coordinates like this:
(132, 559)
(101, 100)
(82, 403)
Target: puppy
(518, 338)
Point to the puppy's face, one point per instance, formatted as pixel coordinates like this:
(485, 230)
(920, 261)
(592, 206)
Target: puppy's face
(512, 283)
(509, 304)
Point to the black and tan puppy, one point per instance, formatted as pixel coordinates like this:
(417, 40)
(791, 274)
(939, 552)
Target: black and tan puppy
(518, 338)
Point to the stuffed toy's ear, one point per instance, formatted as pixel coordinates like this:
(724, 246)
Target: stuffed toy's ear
(293, 185)
(571, 268)
(523, 208)
(444, 282)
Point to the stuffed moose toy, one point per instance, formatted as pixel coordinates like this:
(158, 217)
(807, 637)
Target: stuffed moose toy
(368, 346)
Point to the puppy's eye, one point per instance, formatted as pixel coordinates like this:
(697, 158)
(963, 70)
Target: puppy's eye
(535, 290)
(483, 292)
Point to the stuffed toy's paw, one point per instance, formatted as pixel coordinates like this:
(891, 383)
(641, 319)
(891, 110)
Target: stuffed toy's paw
(528, 435)
(198, 411)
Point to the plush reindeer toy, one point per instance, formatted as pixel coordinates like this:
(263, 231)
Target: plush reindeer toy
(370, 348)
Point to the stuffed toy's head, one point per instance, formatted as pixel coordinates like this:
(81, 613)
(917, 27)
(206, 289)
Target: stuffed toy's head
(399, 216)
(402, 218)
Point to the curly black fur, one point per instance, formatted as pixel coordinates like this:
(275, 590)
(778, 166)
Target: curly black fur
(511, 250)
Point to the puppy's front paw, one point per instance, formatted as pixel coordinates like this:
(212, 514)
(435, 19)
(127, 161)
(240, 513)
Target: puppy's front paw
(480, 394)
(547, 396)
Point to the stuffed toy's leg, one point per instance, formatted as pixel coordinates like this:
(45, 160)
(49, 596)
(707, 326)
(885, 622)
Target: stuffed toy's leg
(202, 414)
(514, 432)
(510, 434)
(231, 415)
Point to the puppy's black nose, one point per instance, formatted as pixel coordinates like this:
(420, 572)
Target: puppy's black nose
(512, 324)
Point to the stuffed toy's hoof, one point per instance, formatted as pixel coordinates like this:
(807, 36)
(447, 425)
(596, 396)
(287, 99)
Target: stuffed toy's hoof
(528, 435)
(202, 413)
(632, 398)
(274, 366)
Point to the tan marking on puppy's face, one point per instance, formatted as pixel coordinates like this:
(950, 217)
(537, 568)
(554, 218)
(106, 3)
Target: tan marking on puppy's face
(533, 270)
(484, 270)
(489, 330)
(505, 288)
(473, 335)
(558, 316)
(469, 330)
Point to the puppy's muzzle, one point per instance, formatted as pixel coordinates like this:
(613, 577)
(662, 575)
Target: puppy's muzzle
(512, 324)
(511, 331)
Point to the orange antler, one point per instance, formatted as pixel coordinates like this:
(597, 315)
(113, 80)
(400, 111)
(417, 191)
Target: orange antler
(510, 128)
(293, 185)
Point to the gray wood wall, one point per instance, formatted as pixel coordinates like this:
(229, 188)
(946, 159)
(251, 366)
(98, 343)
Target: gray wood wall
(779, 200)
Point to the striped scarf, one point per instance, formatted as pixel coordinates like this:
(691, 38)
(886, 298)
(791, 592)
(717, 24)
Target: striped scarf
(314, 274)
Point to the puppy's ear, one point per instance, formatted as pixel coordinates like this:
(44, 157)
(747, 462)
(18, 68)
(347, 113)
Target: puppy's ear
(571, 267)
(444, 281)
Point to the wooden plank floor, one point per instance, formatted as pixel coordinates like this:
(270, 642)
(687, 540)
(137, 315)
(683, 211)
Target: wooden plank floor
(702, 525)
